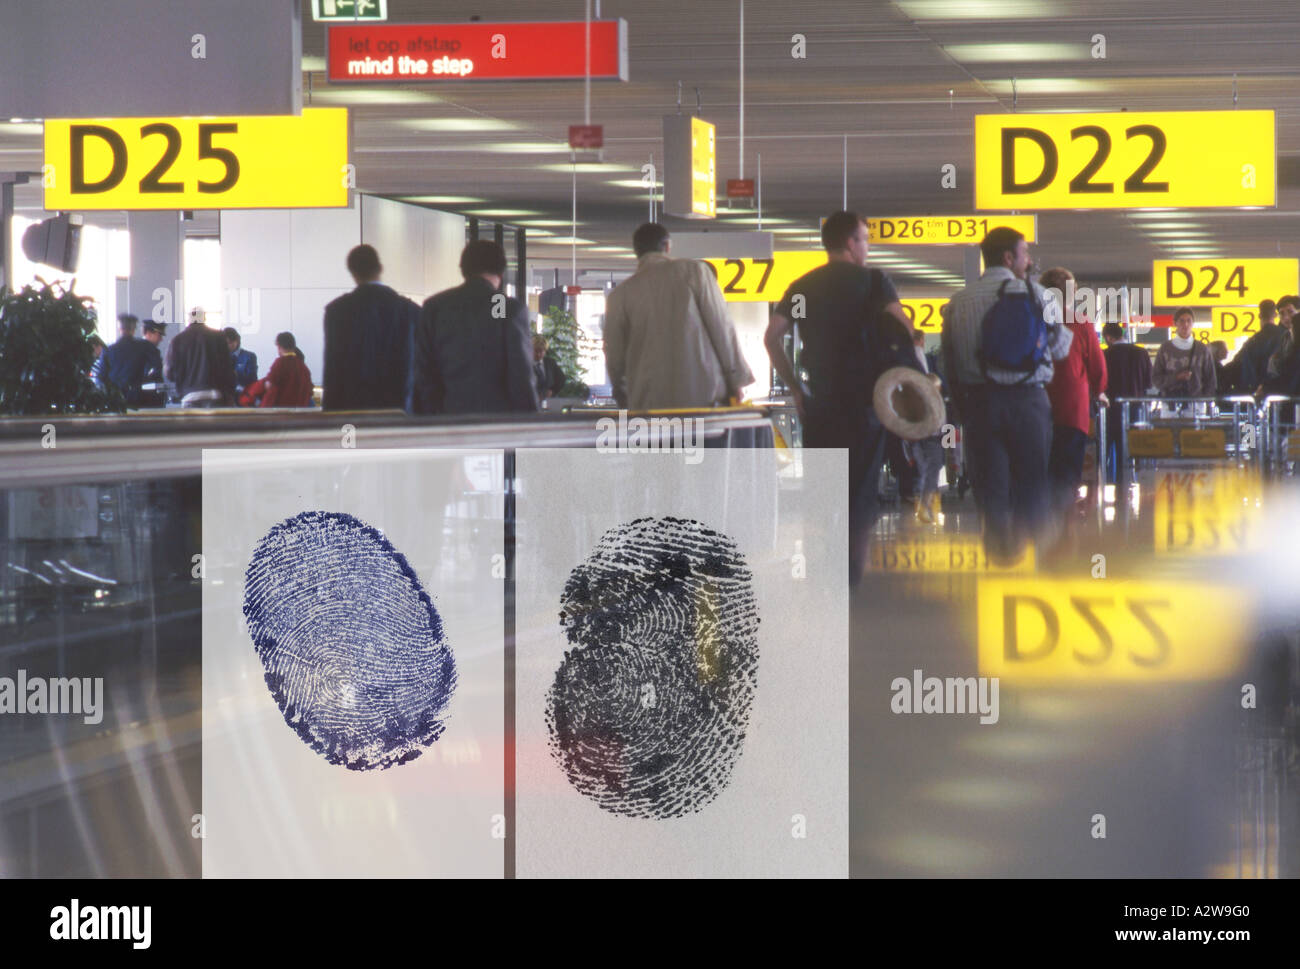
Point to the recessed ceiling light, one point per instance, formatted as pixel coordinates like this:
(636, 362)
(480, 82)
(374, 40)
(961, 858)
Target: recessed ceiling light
(458, 124)
(1054, 85)
(1007, 53)
(354, 95)
(501, 213)
(992, 10)
(459, 148)
(598, 168)
(443, 199)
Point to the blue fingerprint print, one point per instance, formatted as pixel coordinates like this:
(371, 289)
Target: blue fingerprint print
(352, 645)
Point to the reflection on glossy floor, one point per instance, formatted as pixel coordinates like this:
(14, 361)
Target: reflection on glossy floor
(1148, 691)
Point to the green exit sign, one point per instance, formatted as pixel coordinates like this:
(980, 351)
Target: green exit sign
(350, 10)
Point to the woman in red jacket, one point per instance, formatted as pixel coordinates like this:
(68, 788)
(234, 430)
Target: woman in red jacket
(1076, 382)
(288, 384)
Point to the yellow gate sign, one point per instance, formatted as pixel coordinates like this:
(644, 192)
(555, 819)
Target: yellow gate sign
(260, 161)
(925, 314)
(946, 230)
(763, 280)
(1047, 629)
(1211, 282)
(1124, 160)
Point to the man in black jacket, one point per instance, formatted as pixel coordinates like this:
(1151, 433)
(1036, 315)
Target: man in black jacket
(198, 363)
(1252, 359)
(367, 341)
(472, 352)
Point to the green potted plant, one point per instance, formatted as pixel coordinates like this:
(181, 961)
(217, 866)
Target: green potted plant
(566, 342)
(46, 353)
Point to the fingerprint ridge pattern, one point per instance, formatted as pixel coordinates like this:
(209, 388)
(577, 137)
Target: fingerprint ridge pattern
(648, 711)
(351, 643)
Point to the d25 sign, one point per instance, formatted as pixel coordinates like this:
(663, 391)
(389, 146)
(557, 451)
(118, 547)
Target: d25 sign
(1081, 629)
(1125, 160)
(271, 161)
(1211, 282)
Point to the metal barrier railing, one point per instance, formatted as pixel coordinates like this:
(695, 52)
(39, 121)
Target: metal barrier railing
(1239, 418)
(1281, 419)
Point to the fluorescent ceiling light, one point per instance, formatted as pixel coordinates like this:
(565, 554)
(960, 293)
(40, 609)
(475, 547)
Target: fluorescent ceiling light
(1004, 53)
(22, 128)
(750, 217)
(634, 183)
(619, 249)
(1168, 225)
(495, 148)
(353, 95)
(585, 167)
(1053, 85)
(564, 223)
(457, 124)
(444, 199)
(982, 9)
(567, 241)
(313, 62)
(501, 213)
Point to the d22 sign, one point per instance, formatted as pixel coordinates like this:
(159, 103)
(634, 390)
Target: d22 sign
(1125, 160)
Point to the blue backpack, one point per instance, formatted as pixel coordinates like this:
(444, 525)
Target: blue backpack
(1013, 334)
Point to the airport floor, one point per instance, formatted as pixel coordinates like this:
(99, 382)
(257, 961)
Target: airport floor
(1102, 768)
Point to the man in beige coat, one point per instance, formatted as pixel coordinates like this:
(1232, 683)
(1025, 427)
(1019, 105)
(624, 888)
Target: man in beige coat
(668, 339)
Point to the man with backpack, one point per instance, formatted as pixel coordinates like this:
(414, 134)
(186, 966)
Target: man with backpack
(852, 328)
(1001, 335)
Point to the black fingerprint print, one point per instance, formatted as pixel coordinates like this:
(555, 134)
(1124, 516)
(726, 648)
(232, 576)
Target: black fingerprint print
(352, 645)
(647, 714)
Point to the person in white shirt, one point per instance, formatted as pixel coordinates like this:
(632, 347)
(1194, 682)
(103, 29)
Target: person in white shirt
(1006, 414)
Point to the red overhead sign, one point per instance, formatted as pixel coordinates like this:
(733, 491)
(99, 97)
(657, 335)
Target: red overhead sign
(476, 51)
(586, 136)
(740, 188)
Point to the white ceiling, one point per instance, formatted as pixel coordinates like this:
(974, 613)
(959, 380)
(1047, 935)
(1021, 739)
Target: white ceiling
(903, 80)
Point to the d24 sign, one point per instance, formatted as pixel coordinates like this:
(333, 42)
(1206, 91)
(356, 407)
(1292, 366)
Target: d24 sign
(1125, 160)
(269, 161)
(1212, 282)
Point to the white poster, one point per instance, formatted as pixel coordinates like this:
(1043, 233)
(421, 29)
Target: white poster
(682, 664)
(353, 670)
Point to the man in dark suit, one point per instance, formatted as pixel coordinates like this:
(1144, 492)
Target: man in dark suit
(367, 341)
(129, 362)
(472, 352)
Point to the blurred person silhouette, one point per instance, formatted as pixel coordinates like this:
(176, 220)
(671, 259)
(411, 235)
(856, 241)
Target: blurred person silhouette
(367, 341)
(472, 351)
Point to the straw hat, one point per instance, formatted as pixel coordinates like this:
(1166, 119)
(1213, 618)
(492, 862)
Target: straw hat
(909, 403)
